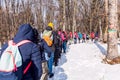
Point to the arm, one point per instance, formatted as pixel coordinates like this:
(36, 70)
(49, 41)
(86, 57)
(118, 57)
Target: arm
(47, 49)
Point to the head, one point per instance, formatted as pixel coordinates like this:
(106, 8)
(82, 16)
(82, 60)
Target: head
(25, 32)
(36, 33)
(60, 30)
(63, 31)
(51, 25)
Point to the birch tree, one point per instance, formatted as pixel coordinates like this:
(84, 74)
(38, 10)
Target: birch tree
(112, 51)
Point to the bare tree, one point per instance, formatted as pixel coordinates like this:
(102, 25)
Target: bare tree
(106, 22)
(74, 16)
(82, 15)
(112, 51)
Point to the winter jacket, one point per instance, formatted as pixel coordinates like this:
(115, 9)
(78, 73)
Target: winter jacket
(79, 35)
(70, 34)
(92, 35)
(63, 36)
(29, 52)
(44, 48)
(59, 32)
(96, 34)
(75, 35)
(84, 36)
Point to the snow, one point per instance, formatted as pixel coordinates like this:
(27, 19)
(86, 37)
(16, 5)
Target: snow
(84, 62)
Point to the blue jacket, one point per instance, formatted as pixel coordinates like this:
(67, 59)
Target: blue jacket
(44, 48)
(79, 35)
(29, 52)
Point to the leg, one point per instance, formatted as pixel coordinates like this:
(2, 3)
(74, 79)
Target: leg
(50, 64)
(64, 46)
(45, 71)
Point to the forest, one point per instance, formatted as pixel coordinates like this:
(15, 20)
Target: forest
(70, 15)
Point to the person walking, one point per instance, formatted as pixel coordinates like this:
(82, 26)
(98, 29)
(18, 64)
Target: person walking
(48, 37)
(31, 55)
(64, 41)
(79, 36)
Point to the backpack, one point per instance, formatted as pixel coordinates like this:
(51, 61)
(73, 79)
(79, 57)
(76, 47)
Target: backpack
(57, 41)
(48, 37)
(10, 60)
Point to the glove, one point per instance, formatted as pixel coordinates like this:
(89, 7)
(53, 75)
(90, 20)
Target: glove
(49, 54)
(46, 56)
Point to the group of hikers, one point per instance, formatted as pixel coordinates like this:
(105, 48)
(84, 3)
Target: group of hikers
(83, 37)
(39, 52)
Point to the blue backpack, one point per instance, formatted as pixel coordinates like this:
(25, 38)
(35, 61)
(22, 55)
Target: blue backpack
(10, 60)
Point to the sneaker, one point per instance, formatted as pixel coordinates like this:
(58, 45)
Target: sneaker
(51, 75)
(56, 64)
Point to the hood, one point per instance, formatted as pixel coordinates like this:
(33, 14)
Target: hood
(25, 32)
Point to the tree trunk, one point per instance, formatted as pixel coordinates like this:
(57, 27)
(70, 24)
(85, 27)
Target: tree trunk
(106, 22)
(112, 51)
(64, 15)
(74, 15)
(100, 27)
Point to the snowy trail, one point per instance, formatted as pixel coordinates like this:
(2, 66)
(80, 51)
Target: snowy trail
(83, 62)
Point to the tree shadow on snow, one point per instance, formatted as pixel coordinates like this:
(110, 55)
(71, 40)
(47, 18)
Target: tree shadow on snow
(60, 74)
(102, 49)
(119, 44)
(59, 71)
(63, 59)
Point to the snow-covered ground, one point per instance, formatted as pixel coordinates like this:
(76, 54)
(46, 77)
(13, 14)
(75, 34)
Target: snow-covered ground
(84, 62)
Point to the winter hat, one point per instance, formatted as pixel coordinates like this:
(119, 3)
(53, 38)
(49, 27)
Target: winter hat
(51, 25)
